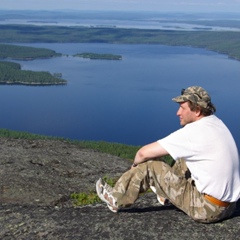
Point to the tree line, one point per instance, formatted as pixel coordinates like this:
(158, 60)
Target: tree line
(22, 52)
(11, 73)
(104, 56)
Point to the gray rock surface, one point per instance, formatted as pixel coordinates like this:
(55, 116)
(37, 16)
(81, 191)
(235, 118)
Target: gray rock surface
(38, 176)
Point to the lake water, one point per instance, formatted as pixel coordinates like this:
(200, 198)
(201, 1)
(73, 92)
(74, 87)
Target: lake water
(126, 101)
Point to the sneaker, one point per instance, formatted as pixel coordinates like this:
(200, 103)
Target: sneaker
(104, 191)
(163, 201)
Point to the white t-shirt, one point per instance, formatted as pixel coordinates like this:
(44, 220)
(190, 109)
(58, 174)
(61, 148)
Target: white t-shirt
(211, 156)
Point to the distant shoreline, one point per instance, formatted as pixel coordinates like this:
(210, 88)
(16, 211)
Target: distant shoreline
(219, 41)
(31, 84)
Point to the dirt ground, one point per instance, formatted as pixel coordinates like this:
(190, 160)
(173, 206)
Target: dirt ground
(38, 176)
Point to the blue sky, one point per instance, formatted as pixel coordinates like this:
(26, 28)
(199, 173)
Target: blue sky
(139, 5)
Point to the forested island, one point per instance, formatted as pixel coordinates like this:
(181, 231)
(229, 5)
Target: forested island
(99, 56)
(11, 73)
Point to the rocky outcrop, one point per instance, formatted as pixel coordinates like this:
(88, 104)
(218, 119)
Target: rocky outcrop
(38, 176)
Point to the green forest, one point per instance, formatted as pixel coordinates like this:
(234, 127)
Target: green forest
(11, 73)
(99, 56)
(25, 53)
(222, 42)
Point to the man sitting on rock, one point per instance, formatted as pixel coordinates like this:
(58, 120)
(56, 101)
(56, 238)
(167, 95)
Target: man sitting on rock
(204, 181)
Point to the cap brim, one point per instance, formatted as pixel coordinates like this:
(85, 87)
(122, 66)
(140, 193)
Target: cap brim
(179, 99)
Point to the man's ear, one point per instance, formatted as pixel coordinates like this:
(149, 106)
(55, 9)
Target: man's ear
(198, 112)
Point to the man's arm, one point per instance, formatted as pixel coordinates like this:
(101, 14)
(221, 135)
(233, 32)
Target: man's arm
(148, 152)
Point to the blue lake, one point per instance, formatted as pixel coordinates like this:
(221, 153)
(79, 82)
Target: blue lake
(126, 101)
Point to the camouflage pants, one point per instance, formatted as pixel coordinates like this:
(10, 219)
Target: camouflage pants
(173, 183)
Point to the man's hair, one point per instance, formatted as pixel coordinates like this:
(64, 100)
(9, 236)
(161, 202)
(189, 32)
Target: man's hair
(209, 110)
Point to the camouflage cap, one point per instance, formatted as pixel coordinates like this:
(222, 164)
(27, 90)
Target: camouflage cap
(194, 94)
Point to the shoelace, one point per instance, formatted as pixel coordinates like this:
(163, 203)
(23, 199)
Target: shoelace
(108, 188)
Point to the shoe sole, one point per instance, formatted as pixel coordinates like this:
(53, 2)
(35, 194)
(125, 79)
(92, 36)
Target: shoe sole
(98, 187)
(99, 183)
